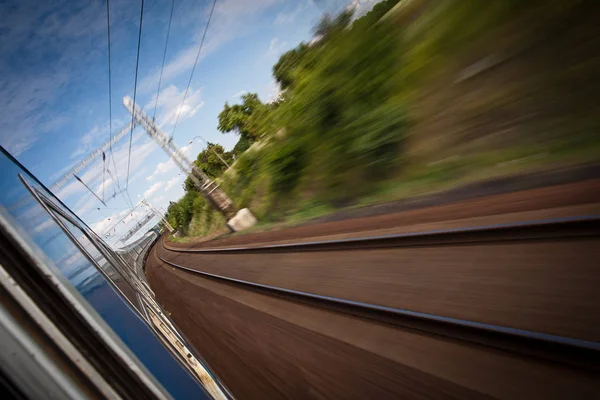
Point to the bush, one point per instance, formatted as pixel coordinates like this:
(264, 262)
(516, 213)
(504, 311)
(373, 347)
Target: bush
(377, 139)
(286, 161)
(247, 166)
(242, 145)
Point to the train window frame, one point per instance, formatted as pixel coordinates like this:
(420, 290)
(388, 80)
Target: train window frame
(132, 376)
(56, 213)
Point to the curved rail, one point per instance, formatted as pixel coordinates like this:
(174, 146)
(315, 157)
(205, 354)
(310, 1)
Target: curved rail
(580, 353)
(539, 230)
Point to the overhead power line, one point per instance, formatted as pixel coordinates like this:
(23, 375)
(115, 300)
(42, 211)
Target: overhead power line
(163, 60)
(110, 90)
(128, 202)
(193, 69)
(137, 64)
(88, 188)
(112, 156)
(103, 173)
(129, 214)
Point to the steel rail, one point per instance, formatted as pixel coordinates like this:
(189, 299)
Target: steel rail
(538, 230)
(565, 350)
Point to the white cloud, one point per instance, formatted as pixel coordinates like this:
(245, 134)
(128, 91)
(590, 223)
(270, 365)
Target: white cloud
(159, 199)
(139, 173)
(164, 167)
(86, 140)
(154, 188)
(173, 181)
(285, 18)
(170, 104)
(161, 168)
(48, 223)
(85, 205)
(104, 187)
(59, 174)
(274, 91)
(101, 226)
(239, 94)
(186, 150)
(182, 62)
(276, 47)
(97, 136)
(288, 17)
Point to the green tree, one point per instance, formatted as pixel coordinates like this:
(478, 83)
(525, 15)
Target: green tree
(285, 70)
(241, 118)
(341, 108)
(329, 25)
(209, 162)
(251, 120)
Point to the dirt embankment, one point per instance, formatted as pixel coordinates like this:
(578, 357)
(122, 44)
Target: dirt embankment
(430, 209)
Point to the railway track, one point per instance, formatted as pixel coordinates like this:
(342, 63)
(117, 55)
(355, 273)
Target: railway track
(531, 231)
(565, 350)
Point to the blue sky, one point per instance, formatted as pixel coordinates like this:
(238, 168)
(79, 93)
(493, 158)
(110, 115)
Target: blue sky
(54, 85)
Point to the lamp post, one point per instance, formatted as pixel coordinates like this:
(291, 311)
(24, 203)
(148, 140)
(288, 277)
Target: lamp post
(211, 149)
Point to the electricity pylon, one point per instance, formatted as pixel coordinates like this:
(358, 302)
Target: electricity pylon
(216, 197)
(157, 213)
(91, 157)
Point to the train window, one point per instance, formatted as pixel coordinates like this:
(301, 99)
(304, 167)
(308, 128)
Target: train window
(103, 258)
(100, 260)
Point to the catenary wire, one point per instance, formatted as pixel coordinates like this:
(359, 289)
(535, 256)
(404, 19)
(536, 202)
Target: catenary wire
(116, 177)
(194, 68)
(137, 64)
(110, 91)
(163, 60)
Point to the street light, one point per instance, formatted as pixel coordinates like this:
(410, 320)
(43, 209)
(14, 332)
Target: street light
(207, 145)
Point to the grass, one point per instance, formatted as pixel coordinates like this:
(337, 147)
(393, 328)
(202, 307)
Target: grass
(440, 176)
(459, 171)
(184, 239)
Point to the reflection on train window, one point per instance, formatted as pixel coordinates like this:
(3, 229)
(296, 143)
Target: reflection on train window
(100, 260)
(80, 259)
(73, 264)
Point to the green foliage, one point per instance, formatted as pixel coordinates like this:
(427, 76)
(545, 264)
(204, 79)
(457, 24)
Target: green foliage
(341, 107)
(242, 145)
(180, 214)
(285, 165)
(232, 118)
(337, 135)
(188, 185)
(247, 166)
(378, 136)
(338, 128)
(376, 13)
(328, 25)
(283, 71)
(209, 162)
(246, 119)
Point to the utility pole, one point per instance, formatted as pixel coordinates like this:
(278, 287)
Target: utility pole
(106, 233)
(138, 225)
(158, 214)
(216, 197)
(91, 157)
